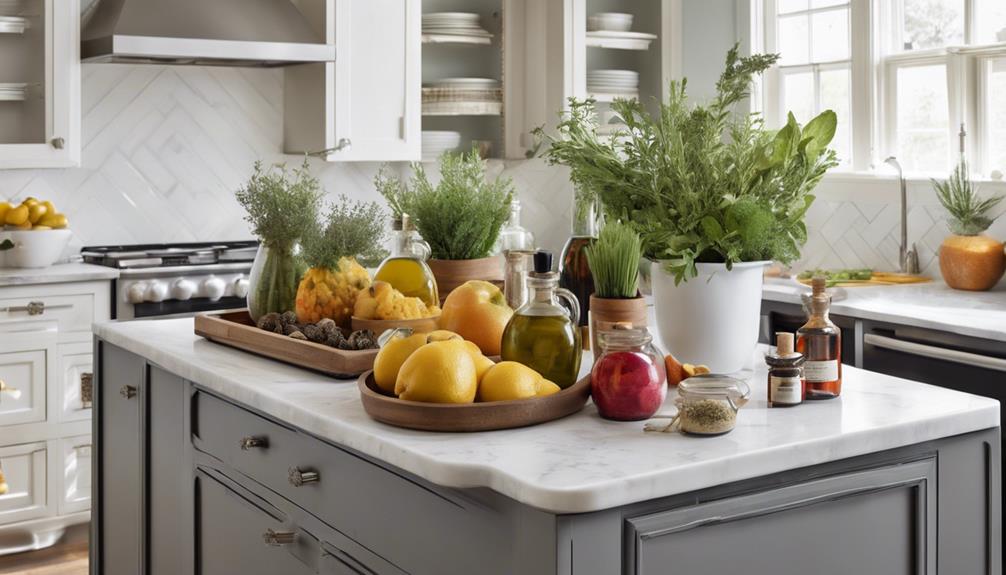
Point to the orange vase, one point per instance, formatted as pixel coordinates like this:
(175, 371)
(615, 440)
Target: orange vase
(974, 263)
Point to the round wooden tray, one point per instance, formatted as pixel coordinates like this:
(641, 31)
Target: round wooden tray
(470, 416)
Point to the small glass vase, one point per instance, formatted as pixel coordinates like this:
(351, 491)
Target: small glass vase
(274, 278)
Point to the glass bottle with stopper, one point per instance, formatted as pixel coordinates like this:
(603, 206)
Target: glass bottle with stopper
(574, 272)
(513, 236)
(406, 269)
(785, 375)
(543, 334)
(820, 342)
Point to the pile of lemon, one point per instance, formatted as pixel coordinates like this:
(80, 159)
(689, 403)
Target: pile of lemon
(441, 367)
(32, 214)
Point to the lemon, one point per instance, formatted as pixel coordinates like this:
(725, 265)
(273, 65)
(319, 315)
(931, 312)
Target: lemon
(546, 387)
(442, 335)
(482, 363)
(438, 372)
(53, 220)
(17, 216)
(4, 208)
(509, 380)
(40, 227)
(391, 357)
(35, 212)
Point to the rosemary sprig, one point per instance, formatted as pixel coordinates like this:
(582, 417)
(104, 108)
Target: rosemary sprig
(351, 229)
(614, 261)
(282, 204)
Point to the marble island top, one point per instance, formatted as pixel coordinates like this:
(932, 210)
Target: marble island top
(581, 463)
(57, 273)
(931, 305)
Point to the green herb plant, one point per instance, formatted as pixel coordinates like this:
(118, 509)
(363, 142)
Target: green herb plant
(393, 190)
(699, 182)
(461, 216)
(614, 261)
(969, 213)
(351, 229)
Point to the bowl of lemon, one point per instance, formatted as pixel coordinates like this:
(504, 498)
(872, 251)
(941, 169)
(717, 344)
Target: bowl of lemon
(34, 234)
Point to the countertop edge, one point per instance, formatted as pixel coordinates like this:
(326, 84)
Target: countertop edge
(55, 274)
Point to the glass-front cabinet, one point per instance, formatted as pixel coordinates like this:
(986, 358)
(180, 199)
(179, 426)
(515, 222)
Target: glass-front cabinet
(39, 83)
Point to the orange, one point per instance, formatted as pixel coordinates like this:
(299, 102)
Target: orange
(478, 312)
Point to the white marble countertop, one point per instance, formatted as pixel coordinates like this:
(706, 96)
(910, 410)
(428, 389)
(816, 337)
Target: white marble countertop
(58, 273)
(581, 463)
(932, 305)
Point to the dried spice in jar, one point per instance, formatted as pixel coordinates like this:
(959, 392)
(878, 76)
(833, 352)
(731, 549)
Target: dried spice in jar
(707, 405)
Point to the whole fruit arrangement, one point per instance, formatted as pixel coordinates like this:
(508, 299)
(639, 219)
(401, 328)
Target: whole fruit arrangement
(478, 312)
(32, 214)
(627, 386)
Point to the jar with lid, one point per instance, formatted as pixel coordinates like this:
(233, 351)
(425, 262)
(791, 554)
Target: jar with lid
(785, 375)
(406, 269)
(628, 381)
(708, 404)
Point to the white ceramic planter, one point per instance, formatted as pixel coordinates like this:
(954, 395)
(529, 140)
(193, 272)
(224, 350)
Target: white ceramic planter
(711, 319)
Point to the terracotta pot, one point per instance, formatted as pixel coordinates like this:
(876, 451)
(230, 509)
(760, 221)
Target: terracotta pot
(606, 312)
(974, 263)
(453, 273)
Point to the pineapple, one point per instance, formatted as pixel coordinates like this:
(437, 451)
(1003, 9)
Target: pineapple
(330, 286)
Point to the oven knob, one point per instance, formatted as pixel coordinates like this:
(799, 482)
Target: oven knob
(137, 292)
(157, 291)
(240, 287)
(183, 289)
(214, 288)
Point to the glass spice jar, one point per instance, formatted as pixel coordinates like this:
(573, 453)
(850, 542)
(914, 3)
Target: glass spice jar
(628, 381)
(708, 404)
(785, 375)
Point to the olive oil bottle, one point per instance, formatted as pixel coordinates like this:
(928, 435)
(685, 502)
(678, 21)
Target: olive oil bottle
(406, 268)
(542, 334)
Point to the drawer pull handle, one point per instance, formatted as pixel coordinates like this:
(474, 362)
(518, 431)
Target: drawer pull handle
(128, 391)
(251, 442)
(278, 538)
(301, 477)
(11, 391)
(86, 390)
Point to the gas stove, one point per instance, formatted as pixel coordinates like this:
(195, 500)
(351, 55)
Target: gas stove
(175, 280)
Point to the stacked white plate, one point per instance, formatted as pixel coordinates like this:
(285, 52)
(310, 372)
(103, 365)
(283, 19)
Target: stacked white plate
(466, 83)
(13, 91)
(436, 142)
(612, 81)
(13, 24)
(454, 23)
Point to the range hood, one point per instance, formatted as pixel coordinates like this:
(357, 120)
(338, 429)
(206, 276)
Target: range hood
(257, 33)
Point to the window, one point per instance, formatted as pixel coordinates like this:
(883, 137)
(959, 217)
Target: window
(902, 75)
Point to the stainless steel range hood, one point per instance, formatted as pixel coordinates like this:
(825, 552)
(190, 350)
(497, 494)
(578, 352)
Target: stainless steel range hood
(258, 33)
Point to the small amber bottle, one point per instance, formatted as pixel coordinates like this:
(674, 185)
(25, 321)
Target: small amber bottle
(820, 342)
(785, 375)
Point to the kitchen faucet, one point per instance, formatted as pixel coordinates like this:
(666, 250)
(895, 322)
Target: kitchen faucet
(908, 258)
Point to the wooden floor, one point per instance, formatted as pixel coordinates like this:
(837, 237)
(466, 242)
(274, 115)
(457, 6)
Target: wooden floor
(63, 559)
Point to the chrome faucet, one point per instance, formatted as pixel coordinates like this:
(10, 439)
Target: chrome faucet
(908, 258)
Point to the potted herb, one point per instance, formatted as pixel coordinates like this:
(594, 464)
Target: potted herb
(714, 196)
(282, 206)
(352, 234)
(460, 218)
(614, 263)
(968, 259)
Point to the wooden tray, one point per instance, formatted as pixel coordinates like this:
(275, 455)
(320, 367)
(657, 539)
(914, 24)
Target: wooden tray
(471, 416)
(878, 279)
(236, 329)
(379, 326)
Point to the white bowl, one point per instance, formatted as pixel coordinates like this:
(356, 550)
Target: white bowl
(610, 21)
(33, 248)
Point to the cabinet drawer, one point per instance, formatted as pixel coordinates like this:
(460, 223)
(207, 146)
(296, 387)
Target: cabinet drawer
(370, 504)
(71, 312)
(76, 489)
(23, 372)
(25, 471)
(76, 383)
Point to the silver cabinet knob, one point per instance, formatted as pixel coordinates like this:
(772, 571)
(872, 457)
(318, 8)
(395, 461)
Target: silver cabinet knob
(278, 538)
(58, 143)
(128, 391)
(343, 144)
(252, 442)
(35, 308)
(300, 477)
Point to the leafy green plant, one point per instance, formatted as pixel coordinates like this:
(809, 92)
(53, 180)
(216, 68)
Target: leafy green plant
(614, 261)
(460, 217)
(969, 213)
(700, 183)
(282, 204)
(351, 229)
(393, 190)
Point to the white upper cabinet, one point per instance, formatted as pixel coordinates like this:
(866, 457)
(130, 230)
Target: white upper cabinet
(366, 105)
(39, 83)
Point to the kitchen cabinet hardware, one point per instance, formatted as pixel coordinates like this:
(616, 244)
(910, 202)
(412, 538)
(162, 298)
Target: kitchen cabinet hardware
(951, 355)
(252, 442)
(300, 477)
(128, 391)
(278, 538)
(58, 143)
(11, 391)
(86, 390)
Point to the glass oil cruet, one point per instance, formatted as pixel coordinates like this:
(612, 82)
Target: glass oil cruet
(543, 334)
(406, 268)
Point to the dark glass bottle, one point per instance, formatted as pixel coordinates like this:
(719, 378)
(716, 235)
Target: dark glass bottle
(820, 342)
(574, 273)
(785, 375)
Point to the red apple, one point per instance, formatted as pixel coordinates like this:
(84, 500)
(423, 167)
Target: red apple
(627, 386)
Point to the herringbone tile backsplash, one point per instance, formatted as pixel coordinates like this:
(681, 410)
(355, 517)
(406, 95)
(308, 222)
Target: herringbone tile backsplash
(165, 147)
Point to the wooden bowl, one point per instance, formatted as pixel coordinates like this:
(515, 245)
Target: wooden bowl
(379, 326)
(470, 416)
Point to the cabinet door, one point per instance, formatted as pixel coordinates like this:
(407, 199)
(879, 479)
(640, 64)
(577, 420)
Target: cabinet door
(40, 84)
(76, 486)
(74, 388)
(24, 468)
(118, 435)
(25, 360)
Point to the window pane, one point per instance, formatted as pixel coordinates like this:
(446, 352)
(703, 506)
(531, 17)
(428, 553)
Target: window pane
(784, 6)
(836, 96)
(830, 35)
(923, 118)
(997, 116)
(933, 23)
(798, 96)
(991, 21)
(794, 40)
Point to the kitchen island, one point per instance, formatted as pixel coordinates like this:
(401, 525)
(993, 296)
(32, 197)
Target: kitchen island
(211, 460)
